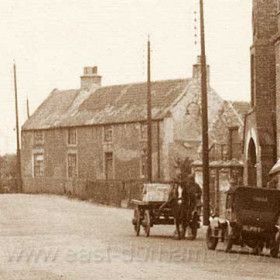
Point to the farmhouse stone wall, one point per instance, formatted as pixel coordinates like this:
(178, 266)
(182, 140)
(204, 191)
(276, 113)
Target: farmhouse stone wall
(126, 147)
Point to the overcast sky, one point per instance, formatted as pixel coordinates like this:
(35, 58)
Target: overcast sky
(52, 40)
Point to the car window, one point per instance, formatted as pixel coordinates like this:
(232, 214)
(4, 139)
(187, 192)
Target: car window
(258, 201)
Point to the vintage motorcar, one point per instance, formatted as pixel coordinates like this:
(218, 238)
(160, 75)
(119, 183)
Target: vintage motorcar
(252, 218)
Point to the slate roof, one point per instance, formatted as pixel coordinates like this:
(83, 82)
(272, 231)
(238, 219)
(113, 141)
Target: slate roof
(110, 104)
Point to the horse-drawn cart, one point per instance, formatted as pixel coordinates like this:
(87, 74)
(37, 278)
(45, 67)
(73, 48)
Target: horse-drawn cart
(156, 208)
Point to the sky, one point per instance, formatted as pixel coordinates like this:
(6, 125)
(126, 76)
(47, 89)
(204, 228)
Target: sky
(52, 40)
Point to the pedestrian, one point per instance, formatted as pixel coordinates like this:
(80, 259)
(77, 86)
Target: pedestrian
(195, 192)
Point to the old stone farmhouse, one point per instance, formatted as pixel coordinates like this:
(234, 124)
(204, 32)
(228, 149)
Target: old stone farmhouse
(99, 132)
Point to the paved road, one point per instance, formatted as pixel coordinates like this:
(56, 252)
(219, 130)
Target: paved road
(50, 237)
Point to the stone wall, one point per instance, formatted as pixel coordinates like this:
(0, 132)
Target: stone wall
(115, 193)
(126, 148)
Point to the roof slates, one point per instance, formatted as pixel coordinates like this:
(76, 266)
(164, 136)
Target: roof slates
(110, 104)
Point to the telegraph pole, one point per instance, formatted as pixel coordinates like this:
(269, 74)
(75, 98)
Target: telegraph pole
(149, 115)
(17, 130)
(27, 107)
(204, 105)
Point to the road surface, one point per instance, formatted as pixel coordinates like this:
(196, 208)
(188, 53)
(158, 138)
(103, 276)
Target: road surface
(52, 237)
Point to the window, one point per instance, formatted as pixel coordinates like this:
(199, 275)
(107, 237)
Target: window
(143, 163)
(193, 109)
(108, 133)
(38, 164)
(143, 131)
(38, 137)
(72, 166)
(109, 166)
(72, 136)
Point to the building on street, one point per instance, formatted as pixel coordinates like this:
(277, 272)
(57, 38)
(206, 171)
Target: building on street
(100, 132)
(262, 123)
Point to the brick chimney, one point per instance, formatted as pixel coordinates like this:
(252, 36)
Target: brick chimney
(197, 70)
(90, 78)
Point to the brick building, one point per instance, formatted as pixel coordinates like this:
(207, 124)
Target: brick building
(262, 124)
(100, 133)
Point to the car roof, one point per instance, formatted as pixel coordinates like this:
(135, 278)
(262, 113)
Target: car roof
(237, 189)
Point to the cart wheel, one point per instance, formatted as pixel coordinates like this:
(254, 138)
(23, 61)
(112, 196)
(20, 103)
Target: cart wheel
(210, 240)
(147, 222)
(137, 222)
(228, 241)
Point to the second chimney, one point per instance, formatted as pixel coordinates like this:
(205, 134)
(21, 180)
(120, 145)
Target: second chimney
(197, 70)
(90, 78)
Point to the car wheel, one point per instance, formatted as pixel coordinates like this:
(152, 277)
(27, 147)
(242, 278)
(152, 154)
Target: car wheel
(228, 241)
(211, 241)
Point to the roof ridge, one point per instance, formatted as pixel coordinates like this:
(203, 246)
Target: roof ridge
(144, 82)
(236, 113)
(73, 111)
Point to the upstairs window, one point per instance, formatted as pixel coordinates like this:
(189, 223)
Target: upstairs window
(72, 136)
(143, 131)
(108, 133)
(72, 166)
(38, 160)
(38, 137)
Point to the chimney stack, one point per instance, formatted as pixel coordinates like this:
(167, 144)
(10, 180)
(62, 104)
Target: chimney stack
(90, 78)
(197, 70)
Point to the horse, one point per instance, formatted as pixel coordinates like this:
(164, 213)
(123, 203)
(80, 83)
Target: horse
(180, 201)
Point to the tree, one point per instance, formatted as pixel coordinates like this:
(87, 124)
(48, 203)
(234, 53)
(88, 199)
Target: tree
(8, 173)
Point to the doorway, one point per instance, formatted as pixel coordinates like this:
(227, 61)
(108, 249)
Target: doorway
(252, 160)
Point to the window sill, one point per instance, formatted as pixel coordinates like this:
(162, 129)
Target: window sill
(72, 145)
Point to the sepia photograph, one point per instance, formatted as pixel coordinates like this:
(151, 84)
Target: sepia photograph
(139, 139)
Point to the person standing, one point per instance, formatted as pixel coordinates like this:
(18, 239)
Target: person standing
(195, 192)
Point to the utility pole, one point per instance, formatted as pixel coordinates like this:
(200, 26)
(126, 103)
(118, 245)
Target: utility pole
(149, 115)
(27, 107)
(17, 130)
(204, 104)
